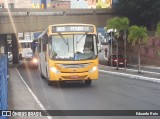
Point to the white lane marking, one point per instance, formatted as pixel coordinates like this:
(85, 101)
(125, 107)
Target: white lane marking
(34, 96)
(132, 76)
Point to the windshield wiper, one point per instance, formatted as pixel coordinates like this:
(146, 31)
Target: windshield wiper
(63, 38)
(82, 37)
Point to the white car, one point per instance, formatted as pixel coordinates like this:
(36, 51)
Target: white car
(29, 55)
(10, 56)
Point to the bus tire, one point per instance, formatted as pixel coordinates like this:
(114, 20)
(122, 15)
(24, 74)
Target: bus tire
(50, 83)
(87, 82)
(40, 72)
(20, 56)
(42, 76)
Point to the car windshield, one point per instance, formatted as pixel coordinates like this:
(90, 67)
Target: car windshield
(115, 56)
(9, 53)
(73, 47)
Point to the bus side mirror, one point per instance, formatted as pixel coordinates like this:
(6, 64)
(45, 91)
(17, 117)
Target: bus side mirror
(99, 48)
(45, 39)
(99, 45)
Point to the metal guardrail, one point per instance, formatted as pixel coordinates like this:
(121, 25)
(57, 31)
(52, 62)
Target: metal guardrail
(3, 84)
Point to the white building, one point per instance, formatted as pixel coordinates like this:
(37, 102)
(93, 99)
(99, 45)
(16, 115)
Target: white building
(35, 3)
(15, 3)
(79, 4)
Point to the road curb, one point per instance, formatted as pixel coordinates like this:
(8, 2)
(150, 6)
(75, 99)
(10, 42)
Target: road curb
(131, 76)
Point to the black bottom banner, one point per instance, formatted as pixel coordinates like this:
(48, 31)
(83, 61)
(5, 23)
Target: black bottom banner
(79, 112)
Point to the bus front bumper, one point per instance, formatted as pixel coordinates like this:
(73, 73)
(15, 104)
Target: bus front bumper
(74, 76)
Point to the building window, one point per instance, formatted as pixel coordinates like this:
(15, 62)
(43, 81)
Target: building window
(1, 5)
(10, 5)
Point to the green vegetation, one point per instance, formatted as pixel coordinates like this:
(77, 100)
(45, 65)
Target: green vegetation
(137, 36)
(120, 24)
(158, 30)
(140, 12)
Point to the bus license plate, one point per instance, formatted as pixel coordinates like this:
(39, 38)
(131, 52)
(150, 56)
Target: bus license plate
(74, 77)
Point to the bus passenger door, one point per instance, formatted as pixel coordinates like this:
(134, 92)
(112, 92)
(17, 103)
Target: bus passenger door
(44, 60)
(41, 58)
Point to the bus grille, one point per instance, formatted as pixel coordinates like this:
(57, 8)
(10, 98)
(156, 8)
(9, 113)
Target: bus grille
(74, 77)
(73, 65)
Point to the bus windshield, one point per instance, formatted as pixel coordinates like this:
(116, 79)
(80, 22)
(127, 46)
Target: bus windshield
(73, 47)
(25, 45)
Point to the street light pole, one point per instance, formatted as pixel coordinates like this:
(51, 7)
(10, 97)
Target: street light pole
(125, 48)
(111, 47)
(117, 54)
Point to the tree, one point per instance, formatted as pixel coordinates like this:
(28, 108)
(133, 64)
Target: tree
(113, 24)
(124, 28)
(121, 24)
(140, 12)
(138, 36)
(158, 29)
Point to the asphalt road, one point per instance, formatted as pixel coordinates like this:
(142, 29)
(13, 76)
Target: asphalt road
(107, 93)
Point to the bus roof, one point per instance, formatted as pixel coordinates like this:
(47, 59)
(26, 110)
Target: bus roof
(72, 24)
(67, 24)
(66, 28)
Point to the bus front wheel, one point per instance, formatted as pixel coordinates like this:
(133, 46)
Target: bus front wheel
(42, 76)
(50, 83)
(88, 82)
(20, 56)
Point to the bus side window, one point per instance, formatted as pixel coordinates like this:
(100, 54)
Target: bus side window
(45, 42)
(39, 46)
(44, 47)
(45, 39)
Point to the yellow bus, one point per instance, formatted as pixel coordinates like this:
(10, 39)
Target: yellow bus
(68, 52)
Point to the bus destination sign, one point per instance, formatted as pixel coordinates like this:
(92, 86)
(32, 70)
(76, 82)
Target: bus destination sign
(72, 29)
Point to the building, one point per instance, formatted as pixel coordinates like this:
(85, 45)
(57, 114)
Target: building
(92, 4)
(115, 3)
(59, 4)
(22, 3)
(7, 4)
(15, 3)
(71, 4)
(79, 4)
(35, 3)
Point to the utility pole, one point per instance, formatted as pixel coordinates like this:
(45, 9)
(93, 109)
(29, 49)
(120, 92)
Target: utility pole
(125, 38)
(111, 48)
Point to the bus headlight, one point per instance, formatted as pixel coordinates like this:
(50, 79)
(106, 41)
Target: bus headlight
(35, 60)
(53, 69)
(93, 69)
